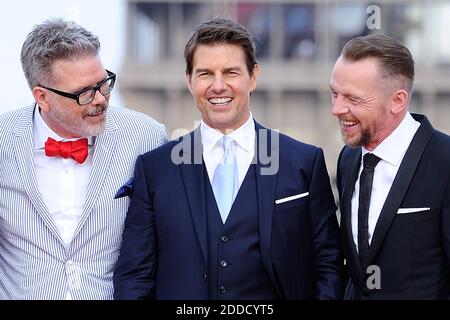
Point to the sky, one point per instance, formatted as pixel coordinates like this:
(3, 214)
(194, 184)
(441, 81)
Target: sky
(105, 18)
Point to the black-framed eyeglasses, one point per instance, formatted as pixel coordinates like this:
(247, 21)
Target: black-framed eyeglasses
(86, 95)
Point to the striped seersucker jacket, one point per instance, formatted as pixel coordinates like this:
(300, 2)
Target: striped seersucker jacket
(34, 261)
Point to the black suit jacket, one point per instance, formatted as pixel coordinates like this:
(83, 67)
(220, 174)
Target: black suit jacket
(411, 250)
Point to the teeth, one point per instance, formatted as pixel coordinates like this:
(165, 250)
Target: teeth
(349, 123)
(93, 114)
(220, 100)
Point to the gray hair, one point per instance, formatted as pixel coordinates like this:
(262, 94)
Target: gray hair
(52, 40)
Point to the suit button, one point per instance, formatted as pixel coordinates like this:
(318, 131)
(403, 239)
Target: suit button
(222, 290)
(205, 277)
(224, 239)
(223, 263)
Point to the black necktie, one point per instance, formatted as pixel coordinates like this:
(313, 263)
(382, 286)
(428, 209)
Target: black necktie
(365, 190)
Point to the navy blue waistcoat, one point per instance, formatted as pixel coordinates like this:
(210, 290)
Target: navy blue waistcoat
(235, 268)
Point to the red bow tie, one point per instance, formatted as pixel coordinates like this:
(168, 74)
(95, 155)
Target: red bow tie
(77, 150)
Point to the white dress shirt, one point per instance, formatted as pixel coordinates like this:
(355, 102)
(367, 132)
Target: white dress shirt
(61, 182)
(243, 147)
(391, 151)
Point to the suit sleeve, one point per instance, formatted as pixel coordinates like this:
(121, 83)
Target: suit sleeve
(339, 184)
(339, 175)
(136, 266)
(162, 137)
(327, 249)
(446, 228)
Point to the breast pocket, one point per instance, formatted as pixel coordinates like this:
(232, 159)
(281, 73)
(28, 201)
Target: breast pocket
(292, 202)
(413, 214)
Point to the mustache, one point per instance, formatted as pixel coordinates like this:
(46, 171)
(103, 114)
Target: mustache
(96, 110)
(347, 119)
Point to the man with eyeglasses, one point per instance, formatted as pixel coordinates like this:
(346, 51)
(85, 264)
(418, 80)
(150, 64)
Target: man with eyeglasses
(62, 159)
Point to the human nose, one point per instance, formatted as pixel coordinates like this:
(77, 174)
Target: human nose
(338, 106)
(99, 99)
(219, 84)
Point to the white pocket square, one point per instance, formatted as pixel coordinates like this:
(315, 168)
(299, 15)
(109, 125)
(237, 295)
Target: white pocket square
(297, 196)
(411, 210)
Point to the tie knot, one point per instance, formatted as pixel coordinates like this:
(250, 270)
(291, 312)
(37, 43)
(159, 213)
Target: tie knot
(227, 143)
(77, 150)
(370, 161)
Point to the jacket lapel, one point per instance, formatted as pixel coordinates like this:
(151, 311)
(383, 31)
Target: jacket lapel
(194, 185)
(354, 163)
(400, 185)
(266, 188)
(23, 150)
(104, 147)
(192, 174)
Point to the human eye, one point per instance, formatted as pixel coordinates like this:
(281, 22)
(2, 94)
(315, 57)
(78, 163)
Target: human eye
(106, 86)
(85, 96)
(354, 100)
(333, 93)
(202, 74)
(233, 72)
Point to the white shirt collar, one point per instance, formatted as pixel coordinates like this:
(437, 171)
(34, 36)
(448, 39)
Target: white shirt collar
(41, 131)
(395, 145)
(244, 136)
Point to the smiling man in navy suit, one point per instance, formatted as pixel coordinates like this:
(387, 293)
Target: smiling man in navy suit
(232, 210)
(393, 177)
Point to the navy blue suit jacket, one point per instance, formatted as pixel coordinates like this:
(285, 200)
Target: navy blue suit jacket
(164, 248)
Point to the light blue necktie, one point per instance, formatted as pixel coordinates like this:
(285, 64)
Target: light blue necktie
(224, 183)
